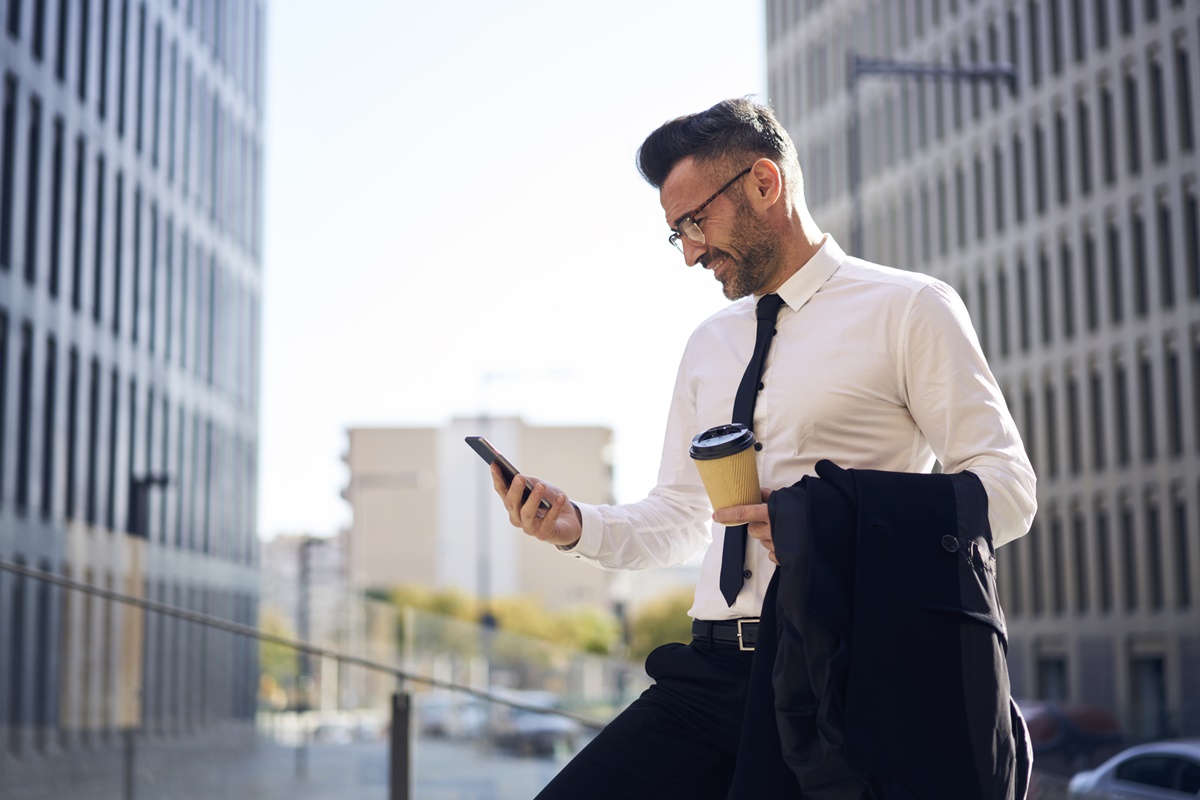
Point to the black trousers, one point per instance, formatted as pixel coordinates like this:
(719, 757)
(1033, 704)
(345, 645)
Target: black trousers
(678, 740)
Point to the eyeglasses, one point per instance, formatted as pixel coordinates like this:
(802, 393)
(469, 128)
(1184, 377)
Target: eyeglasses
(689, 227)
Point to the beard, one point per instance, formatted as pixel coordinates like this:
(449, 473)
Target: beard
(759, 259)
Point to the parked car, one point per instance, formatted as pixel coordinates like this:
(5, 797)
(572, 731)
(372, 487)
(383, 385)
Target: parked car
(530, 733)
(451, 714)
(1168, 770)
(1070, 738)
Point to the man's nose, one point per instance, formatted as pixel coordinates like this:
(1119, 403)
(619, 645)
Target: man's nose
(692, 251)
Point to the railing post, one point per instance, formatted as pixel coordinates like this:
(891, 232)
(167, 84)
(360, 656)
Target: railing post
(130, 778)
(400, 755)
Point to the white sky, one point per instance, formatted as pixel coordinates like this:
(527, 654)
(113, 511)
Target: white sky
(451, 194)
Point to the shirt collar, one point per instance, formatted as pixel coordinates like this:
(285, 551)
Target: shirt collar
(797, 289)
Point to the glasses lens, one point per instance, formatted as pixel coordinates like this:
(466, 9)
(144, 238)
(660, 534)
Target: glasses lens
(692, 231)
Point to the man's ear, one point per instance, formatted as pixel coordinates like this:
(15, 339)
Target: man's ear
(766, 180)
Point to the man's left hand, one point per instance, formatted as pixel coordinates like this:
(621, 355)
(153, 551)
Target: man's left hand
(754, 517)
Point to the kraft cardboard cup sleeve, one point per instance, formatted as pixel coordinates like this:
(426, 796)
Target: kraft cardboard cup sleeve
(724, 455)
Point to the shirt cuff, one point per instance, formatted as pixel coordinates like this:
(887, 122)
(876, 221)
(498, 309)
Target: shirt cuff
(588, 545)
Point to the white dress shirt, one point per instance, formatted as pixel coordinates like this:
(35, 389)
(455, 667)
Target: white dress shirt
(871, 367)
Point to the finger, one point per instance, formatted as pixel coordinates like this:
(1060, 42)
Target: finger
(766, 494)
(740, 515)
(531, 510)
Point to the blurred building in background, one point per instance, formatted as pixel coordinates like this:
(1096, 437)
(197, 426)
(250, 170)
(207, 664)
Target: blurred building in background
(425, 513)
(1065, 213)
(130, 284)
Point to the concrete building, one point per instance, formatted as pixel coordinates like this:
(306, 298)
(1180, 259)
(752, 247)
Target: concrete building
(1065, 213)
(130, 275)
(425, 514)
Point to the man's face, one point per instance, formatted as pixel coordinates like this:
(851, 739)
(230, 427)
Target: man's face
(739, 246)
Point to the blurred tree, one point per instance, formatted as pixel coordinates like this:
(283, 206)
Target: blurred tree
(662, 620)
(276, 661)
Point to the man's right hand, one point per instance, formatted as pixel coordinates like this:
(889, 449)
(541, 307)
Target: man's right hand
(561, 525)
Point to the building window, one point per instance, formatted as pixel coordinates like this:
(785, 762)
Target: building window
(1079, 39)
(1131, 124)
(56, 201)
(7, 165)
(118, 249)
(102, 95)
(1039, 169)
(24, 416)
(1055, 34)
(93, 434)
(17, 645)
(1002, 312)
(1125, 9)
(984, 327)
(1018, 164)
(1129, 557)
(4, 395)
(1023, 304)
(14, 19)
(1101, 24)
(942, 221)
(1091, 281)
(1014, 46)
(1107, 140)
(49, 418)
(1121, 411)
(1154, 580)
(1068, 289)
(998, 188)
(1036, 600)
(1191, 239)
(1034, 44)
(1062, 157)
(77, 244)
(1116, 293)
(1148, 695)
(98, 247)
(152, 324)
(1057, 575)
(1141, 279)
(114, 449)
(1183, 572)
(156, 107)
(1052, 679)
(980, 209)
(84, 39)
(1146, 395)
(1096, 390)
(1050, 401)
(32, 185)
(1103, 560)
(140, 87)
(1166, 258)
(1158, 112)
(1174, 401)
(64, 26)
(72, 430)
(1183, 98)
(122, 61)
(1074, 440)
(1080, 560)
(1085, 148)
(135, 305)
(1044, 297)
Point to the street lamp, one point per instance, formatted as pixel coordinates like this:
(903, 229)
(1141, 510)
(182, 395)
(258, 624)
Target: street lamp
(862, 67)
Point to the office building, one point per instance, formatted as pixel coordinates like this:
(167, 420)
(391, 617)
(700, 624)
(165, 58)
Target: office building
(425, 513)
(1064, 211)
(130, 282)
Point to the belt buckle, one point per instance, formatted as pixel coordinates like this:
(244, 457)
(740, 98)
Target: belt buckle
(741, 644)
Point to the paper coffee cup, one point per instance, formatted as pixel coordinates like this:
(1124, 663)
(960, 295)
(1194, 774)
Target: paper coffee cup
(724, 455)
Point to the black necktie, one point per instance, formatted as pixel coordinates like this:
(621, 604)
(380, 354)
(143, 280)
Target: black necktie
(733, 553)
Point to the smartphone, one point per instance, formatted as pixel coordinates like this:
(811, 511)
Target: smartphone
(492, 456)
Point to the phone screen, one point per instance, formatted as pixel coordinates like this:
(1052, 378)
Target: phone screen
(492, 456)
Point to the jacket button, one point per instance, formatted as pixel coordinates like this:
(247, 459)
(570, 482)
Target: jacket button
(950, 544)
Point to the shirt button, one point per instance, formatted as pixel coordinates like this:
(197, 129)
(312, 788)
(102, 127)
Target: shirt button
(949, 544)
(747, 575)
(758, 445)
(761, 386)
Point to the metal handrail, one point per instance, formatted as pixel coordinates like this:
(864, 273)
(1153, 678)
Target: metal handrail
(307, 647)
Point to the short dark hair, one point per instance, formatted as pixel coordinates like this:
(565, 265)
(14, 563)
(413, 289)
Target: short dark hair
(731, 128)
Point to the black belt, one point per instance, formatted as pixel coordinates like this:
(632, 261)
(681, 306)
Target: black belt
(741, 633)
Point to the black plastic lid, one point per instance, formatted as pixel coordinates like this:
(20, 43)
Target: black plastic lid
(721, 441)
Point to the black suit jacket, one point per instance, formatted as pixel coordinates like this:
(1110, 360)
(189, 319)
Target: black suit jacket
(886, 676)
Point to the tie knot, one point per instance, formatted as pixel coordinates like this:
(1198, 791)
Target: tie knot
(768, 307)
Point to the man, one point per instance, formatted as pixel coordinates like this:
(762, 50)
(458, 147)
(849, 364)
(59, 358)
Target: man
(871, 367)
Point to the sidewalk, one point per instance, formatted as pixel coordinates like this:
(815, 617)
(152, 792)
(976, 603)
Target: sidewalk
(241, 765)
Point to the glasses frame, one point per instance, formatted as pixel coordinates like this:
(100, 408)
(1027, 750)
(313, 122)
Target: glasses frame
(689, 227)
